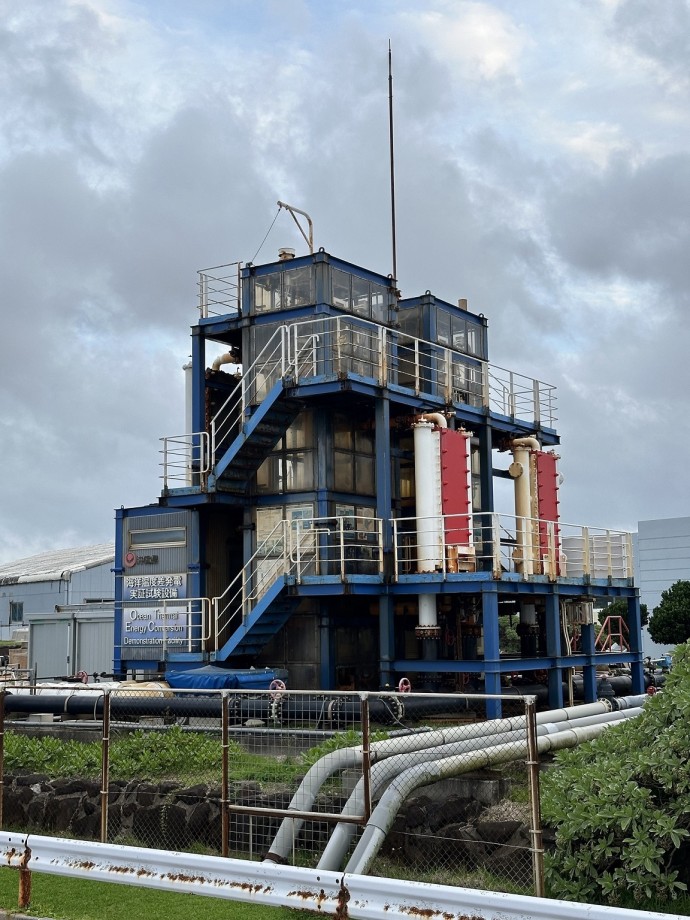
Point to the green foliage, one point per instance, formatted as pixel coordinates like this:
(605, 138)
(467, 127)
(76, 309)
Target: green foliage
(170, 754)
(619, 608)
(508, 638)
(346, 739)
(670, 622)
(620, 805)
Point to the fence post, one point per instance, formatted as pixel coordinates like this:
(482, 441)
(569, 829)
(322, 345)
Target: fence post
(224, 816)
(105, 767)
(366, 753)
(535, 804)
(2, 754)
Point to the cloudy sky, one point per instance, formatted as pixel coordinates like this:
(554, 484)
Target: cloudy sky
(543, 172)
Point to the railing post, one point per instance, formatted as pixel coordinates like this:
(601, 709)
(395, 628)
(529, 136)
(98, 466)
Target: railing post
(609, 556)
(379, 528)
(486, 385)
(165, 464)
(586, 557)
(417, 381)
(203, 295)
(511, 395)
(448, 370)
(396, 561)
(105, 767)
(536, 399)
(225, 786)
(629, 567)
(381, 336)
(496, 545)
(341, 542)
(535, 804)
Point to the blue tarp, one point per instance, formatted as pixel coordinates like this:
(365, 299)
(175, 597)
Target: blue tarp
(211, 677)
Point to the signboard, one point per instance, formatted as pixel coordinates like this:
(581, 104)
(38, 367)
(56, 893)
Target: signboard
(156, 626)
(153, 587)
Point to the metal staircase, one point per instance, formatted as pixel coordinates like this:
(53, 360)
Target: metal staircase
(256, 630)
(263, 428)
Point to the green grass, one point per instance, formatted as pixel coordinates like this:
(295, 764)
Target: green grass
(72, 899)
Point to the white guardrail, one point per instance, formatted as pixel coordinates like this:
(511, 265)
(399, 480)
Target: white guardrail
(325, 892)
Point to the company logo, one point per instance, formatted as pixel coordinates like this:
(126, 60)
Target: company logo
(131, 559)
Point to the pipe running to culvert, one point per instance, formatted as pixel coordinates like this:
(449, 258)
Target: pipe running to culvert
(346, 758)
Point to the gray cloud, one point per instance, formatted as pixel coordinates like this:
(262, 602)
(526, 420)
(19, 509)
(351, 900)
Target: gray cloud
(134, 152)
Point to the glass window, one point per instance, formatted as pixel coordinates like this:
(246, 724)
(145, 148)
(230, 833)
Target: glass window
(290, 467)
(298, 287)
(301, 432)
(443, 327)
(410, 321)
(343, 468)
(353, 455)
(379, 303)
(364, 475)
(459, 328)
(298, 467)
(267, 293)
(360, 297)
(342, 432)
(340, 284)
(16, 611)
(364, 441)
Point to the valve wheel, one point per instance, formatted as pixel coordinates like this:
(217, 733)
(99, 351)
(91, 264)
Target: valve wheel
(276, 688)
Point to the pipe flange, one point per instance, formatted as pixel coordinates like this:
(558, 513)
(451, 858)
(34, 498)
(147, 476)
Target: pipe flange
(427, 632)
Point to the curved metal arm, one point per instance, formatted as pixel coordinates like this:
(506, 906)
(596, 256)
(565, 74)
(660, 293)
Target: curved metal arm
(309, 240)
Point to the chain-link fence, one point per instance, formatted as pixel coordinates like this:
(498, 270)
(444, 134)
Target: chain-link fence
(397, 784)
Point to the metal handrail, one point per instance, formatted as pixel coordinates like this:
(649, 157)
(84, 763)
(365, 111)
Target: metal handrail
(184, 457)
(527, 546)
(297, 549)
(389, 357)
(219, 290)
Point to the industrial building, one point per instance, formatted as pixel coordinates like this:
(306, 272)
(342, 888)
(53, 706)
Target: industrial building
(662, 558)
(61, 604)
(330, 510)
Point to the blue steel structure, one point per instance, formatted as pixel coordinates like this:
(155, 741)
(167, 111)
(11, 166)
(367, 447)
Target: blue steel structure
(286, 531)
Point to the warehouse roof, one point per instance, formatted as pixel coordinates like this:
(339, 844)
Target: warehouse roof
(56, 564)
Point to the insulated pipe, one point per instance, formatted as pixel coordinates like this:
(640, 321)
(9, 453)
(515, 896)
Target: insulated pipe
(424, 774)
(329, 764)
(228, 358)
(519, 470)
(341, 838)
(427, 472)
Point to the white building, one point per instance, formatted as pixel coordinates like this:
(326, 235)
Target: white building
(39, 584)
(662, 558)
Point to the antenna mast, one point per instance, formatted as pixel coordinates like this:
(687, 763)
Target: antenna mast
(392, 158)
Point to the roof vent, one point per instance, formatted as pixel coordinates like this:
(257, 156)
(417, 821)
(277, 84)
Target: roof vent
(285, 254)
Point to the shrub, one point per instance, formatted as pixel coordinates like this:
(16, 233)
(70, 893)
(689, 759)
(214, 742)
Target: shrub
(620, 805)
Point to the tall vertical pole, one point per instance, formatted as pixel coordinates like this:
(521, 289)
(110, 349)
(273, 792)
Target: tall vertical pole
(392, 157)
(105, 767)
(225, 786)
(535, 804)
(2, 753)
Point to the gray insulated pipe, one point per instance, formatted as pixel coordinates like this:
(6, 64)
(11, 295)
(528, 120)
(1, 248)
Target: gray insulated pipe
(341, 838)
(423, 774)
(327, 766)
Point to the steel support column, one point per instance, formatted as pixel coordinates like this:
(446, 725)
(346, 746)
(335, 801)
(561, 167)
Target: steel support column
(552, 626)
(492, 653)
